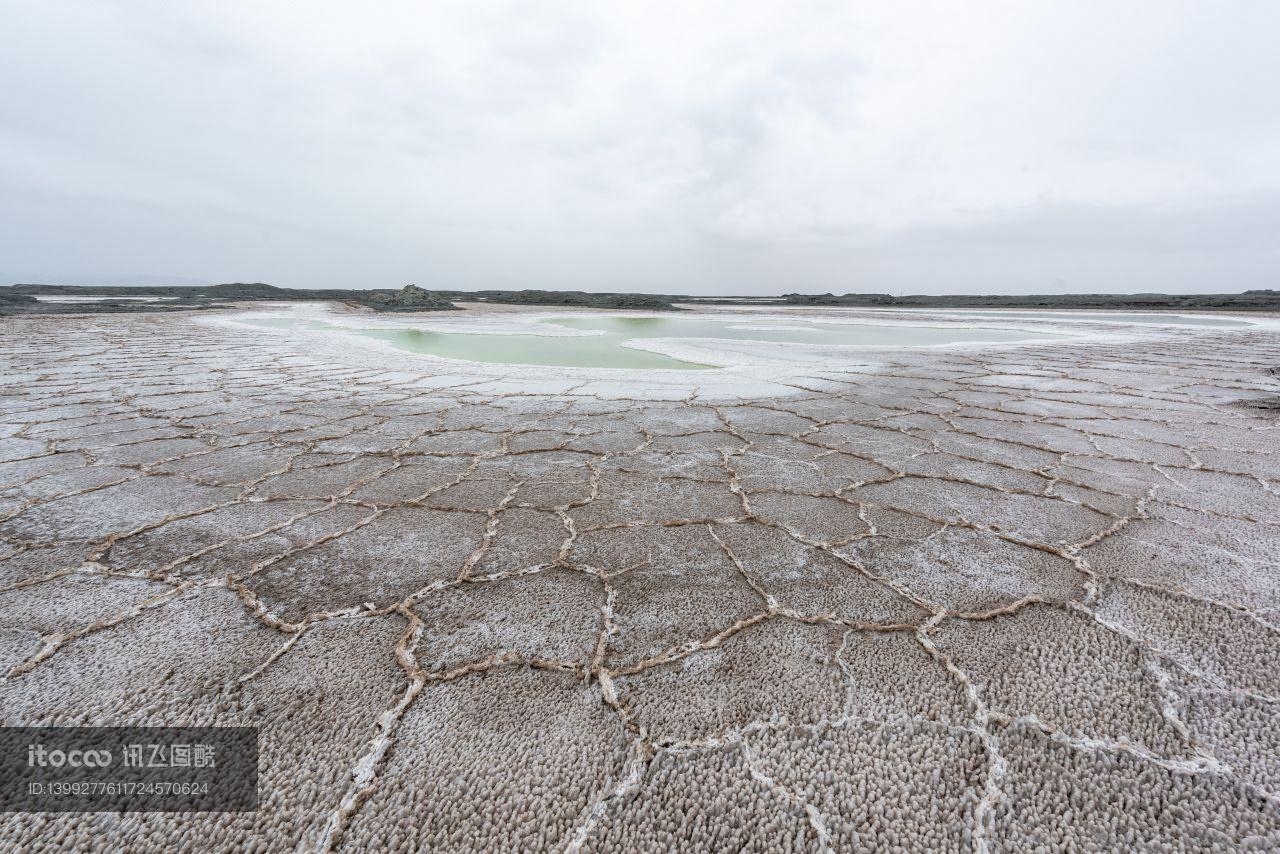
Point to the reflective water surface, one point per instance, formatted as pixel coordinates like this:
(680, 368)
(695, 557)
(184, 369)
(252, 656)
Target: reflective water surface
(606, 347)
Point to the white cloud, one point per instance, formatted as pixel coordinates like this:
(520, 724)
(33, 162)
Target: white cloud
(688, 147)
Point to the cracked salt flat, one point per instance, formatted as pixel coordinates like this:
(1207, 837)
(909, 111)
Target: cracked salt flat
(997, 598)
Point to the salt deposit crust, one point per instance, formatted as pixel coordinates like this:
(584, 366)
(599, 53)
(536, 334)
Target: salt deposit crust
(1003, 598)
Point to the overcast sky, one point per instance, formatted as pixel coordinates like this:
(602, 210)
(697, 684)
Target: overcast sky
(868, 145)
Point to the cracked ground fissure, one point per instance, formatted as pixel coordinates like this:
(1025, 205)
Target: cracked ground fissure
(932, 606)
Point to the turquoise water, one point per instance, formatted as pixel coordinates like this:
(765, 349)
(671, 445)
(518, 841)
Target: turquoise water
(269, 322)
(567, 352)
(606, 350)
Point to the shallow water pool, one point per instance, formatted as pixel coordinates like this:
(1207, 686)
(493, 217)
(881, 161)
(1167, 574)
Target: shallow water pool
(563, 351)
(606, 348)
(269, 322)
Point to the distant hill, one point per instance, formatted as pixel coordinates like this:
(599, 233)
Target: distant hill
(1261, 300)
(178, 298)
(19, 299)
(409, 298)
(582, 299)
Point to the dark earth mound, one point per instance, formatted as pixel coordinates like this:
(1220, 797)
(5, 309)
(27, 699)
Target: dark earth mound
(410, 298)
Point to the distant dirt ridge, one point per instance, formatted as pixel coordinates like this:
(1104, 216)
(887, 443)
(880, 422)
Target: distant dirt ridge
(1258, 300)
(19, 299)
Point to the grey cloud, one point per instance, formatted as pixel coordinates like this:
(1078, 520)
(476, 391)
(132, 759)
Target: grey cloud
(703, 148)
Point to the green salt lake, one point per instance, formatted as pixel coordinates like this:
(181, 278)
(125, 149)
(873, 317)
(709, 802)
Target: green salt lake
(605, 347)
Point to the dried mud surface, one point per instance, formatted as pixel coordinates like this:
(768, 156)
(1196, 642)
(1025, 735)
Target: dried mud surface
(992, 600)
